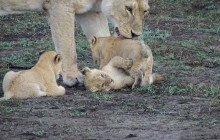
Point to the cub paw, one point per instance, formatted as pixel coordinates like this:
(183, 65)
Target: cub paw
(128, 62)
(62, 90)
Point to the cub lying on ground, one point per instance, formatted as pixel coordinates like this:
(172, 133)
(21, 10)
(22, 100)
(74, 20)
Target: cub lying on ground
(38, 81)
(126, 62)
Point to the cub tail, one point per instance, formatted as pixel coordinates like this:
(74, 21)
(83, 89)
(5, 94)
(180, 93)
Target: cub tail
(9, 77)
(156, 78)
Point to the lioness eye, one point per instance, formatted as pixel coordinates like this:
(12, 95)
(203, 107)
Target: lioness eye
(129, 9)
(102, 75)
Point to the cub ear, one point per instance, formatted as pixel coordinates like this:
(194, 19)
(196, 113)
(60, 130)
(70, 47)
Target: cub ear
(92, 40)
(57, 58)
(85, 70)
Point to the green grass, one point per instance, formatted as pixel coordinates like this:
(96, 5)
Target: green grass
(198, 9)
(30, 54)
(148, 89)
(153, 37)
(9, 107)
(215, 29)
(82, 46)
(102, 96)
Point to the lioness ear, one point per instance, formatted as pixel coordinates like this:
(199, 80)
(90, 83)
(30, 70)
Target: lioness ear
(57, 58)
(85, 70)
(92, 40)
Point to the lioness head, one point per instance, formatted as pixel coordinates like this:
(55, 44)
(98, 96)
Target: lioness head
(53, 60)
(126, 15)
(97, 80)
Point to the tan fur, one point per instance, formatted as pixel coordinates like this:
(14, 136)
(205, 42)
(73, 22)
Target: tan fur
(38, 81)
(90, 14)
(112, 76)
(110, 54)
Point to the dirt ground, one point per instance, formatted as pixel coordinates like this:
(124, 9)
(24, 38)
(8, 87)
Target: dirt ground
(185, 107)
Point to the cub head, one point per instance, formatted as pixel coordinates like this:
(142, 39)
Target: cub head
(95, 50)
(52, 59)
(97, 80)
(126, 15)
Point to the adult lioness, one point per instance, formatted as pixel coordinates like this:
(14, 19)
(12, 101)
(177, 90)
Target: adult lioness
(126, 15)
(38, 81)
(110, 54)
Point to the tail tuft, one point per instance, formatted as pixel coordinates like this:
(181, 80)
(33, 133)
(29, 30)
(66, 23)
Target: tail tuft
(157, 77)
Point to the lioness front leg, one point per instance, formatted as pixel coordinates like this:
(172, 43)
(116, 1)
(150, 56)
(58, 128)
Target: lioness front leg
(120, 62)
(61, 20)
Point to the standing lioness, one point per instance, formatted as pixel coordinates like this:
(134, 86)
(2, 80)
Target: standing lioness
(38, 81)
(126, 15)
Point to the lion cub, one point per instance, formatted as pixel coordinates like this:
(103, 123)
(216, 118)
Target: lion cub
(37, 81)
(114, 55)
(111, 76)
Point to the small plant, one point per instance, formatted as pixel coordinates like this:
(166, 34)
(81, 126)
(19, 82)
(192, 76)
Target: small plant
(96, 96)
(150, 108)
(214, 102)
(39, 133)
(212, 91)
(194, 116)
(82, 106)
(69, 130)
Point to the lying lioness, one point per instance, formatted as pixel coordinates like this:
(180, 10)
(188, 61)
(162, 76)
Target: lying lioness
(38, 81)
(123, 62)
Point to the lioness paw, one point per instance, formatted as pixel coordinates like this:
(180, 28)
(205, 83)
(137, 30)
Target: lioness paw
(73, 80)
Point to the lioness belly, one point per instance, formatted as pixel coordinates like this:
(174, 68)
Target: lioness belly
(19, 6)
